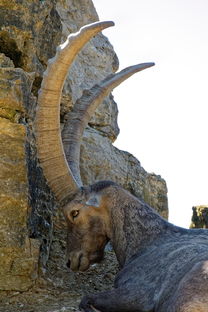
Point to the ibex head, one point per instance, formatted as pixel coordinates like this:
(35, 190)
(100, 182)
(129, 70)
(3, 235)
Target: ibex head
(88, 221)
(84, 207)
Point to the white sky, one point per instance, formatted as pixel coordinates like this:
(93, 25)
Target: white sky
(162, 110)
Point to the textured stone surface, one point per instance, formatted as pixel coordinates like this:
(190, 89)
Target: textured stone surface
(19, 255)
(27, 28)
(5, 61)
(29, 33)
(200, 217)
(14, 90)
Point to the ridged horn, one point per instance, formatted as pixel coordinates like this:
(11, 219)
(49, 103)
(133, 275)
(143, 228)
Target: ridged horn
(83, 110)
(47, 124)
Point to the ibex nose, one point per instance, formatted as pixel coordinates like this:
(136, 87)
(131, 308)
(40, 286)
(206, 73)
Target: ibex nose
(68, 263)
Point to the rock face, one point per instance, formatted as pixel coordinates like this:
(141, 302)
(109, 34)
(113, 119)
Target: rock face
(19, 253)
(29, 33)
(200, 217)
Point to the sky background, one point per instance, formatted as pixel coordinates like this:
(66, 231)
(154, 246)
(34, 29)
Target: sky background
(163, 110)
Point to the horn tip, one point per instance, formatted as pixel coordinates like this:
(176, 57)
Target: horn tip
(149, 64)
(99, 24)
(144, 65)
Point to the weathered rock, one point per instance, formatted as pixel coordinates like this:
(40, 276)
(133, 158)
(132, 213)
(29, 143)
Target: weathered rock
(19, 254)
(29, 32)
(5, 61)
(200, 217)
(15, 92)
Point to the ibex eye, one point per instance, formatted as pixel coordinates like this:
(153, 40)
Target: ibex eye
(74, 213)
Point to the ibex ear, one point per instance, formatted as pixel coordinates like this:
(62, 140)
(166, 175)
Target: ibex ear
(93, 200)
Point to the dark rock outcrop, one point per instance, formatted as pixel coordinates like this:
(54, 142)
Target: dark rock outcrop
(200, 217)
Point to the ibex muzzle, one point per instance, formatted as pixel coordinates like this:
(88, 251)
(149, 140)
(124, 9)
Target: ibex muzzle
(164, 268)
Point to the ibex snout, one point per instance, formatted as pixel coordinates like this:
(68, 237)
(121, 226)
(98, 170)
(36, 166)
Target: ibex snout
(78, 261)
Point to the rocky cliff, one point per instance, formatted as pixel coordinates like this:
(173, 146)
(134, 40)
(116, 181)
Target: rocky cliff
(29, 33)
(200, 217)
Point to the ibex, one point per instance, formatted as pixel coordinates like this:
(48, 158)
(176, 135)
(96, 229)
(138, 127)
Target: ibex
(163, 267)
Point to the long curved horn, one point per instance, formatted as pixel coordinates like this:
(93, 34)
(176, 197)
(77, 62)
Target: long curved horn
(47, 124)
(83, 111)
